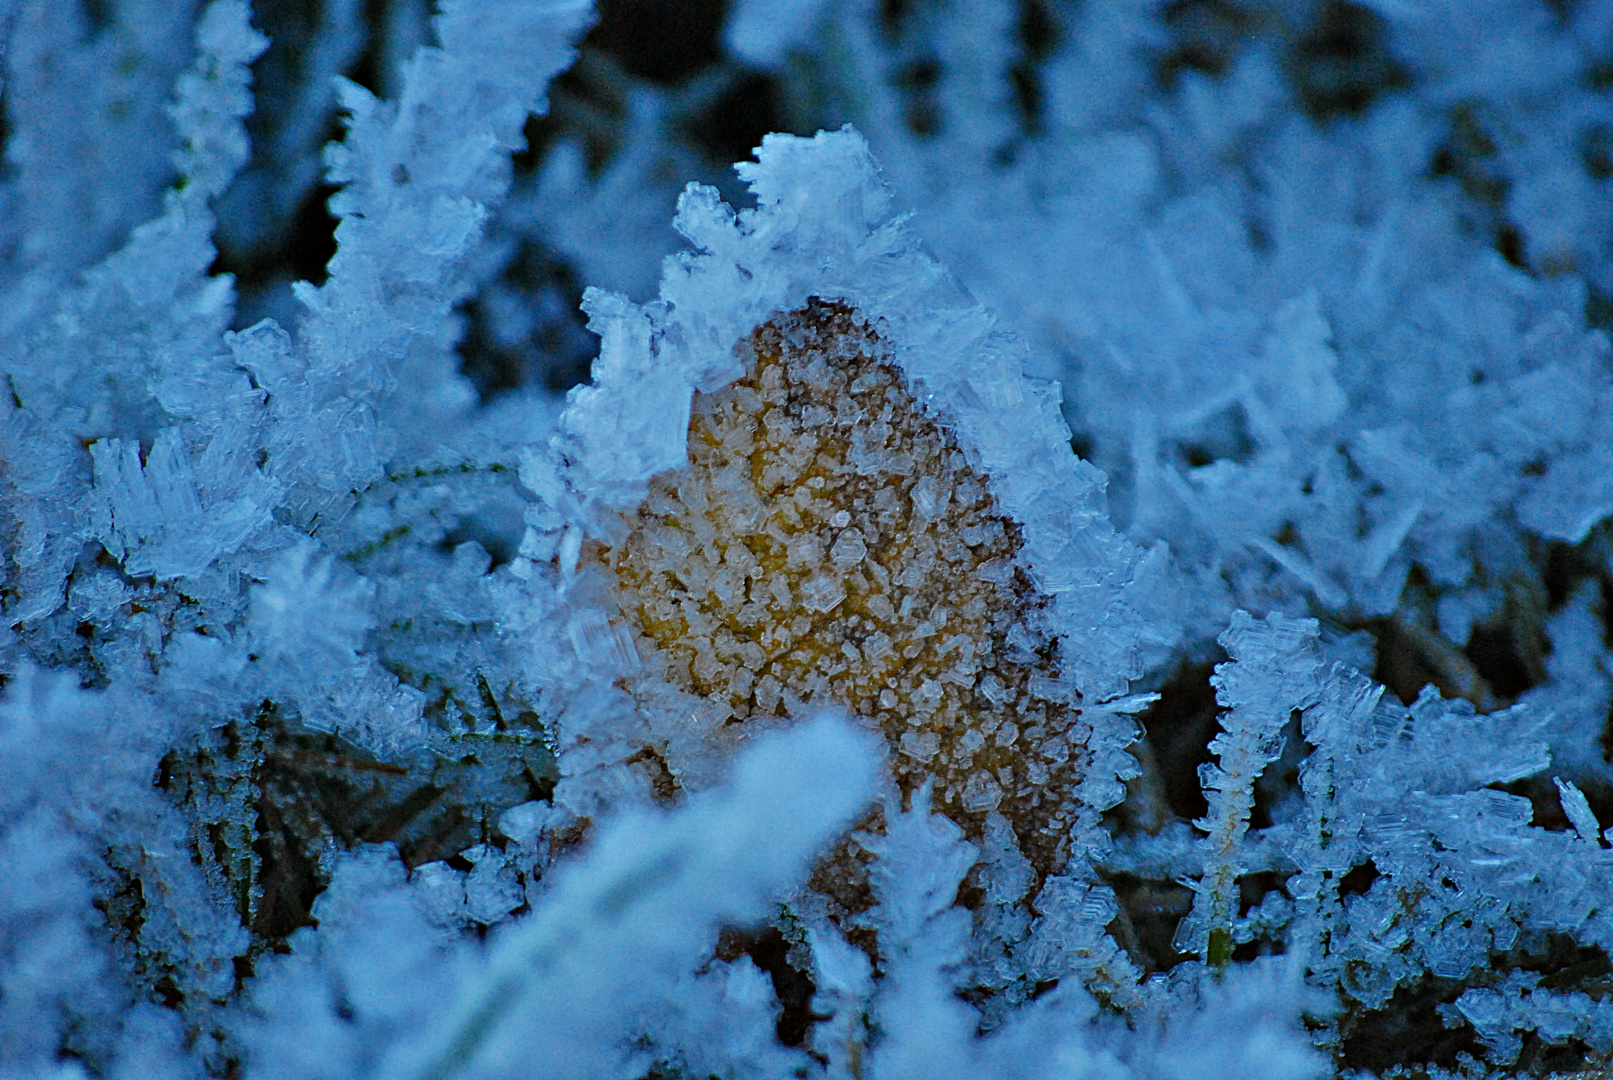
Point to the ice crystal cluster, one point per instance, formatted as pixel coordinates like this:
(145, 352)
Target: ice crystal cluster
(1092, 566)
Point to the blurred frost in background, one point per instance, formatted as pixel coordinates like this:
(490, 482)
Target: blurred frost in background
(326, 749)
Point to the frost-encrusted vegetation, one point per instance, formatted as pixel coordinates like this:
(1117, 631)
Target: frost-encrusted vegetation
(1093, 565)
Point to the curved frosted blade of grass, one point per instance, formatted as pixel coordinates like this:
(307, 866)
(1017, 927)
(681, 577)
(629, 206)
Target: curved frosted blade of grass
(647, 899)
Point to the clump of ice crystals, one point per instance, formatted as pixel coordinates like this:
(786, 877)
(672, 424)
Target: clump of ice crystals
(813, 471)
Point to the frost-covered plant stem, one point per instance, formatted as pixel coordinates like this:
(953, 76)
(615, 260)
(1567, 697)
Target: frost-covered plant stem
(1270, 677)
(416, 193)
